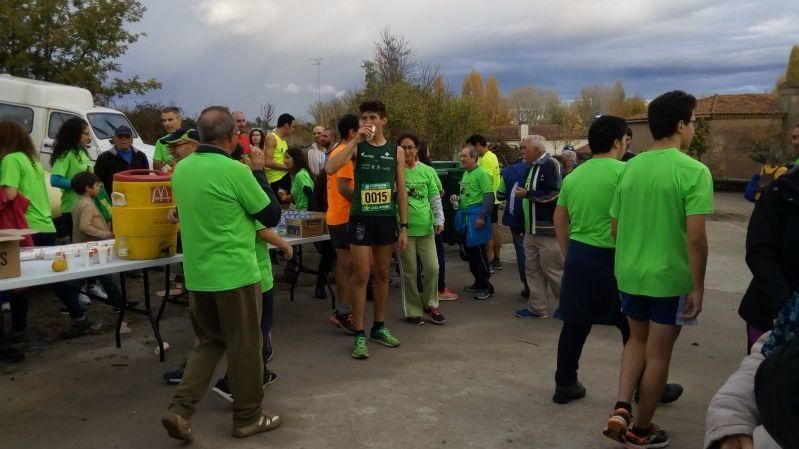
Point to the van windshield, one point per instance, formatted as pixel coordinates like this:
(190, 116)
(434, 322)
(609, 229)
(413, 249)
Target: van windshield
(104, 124)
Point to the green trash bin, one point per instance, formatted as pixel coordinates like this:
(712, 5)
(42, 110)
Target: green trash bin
(445, 165)
(450, 181)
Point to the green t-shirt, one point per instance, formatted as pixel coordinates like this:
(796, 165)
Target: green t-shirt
(301, 180)
(657, 190)
(16, 170)
(588, 193)
(490, 163)
(439, 186)
(264, 262)
(420, 181)
(375, 175)
(161, 153)
(67, 166)
(215, 197)
(474, 185)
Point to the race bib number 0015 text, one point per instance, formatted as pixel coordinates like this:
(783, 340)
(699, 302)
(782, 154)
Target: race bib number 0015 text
(376, 197)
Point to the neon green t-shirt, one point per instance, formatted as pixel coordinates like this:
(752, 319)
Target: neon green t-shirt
(474, 185)
(215, 197)
(420, 182)
(490, 163)
(67, 166)
(301, 180)
(587, 193)
(439, 186)
(657, 190)
(161, 153)
(279, 155)
(264, 262)
(18, 171)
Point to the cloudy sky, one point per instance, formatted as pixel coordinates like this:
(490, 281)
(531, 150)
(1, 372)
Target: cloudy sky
(244, 53)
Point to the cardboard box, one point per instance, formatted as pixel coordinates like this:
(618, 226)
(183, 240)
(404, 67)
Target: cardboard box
(9, 251)
(311, 225)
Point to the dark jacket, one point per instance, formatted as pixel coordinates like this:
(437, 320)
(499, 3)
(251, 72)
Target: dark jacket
(772, 252)
(543, 190)
(511, 175)
(110, 163)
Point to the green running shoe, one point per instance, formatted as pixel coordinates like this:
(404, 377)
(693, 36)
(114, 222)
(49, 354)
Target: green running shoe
(384, 337)
(359, 350)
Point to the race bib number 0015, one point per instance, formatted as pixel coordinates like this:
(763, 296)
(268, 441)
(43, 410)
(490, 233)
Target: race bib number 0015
(375, 197)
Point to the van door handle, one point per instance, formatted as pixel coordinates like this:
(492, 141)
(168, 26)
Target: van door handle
(48, 145)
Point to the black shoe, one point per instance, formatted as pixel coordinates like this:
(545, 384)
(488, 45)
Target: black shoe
(472, 288)
(10, 354)
(564, 395)
(174, 377)
(319, 293)
(483, 295)
(671, 393)
(417, 320)
(80, 326)
(269, 377)
(223, 390)
(525, 292)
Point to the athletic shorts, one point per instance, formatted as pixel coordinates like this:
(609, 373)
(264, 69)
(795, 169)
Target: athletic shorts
(660, 310)
(495, 214)
(339, 236)
(368, 231)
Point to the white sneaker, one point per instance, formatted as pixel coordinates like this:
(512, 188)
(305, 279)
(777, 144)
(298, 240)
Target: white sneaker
(97, 291)
(6, 307)
(84, 300)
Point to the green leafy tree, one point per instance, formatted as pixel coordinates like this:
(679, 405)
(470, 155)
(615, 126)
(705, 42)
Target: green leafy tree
(700, 144)
(792, 74)
(71, 42)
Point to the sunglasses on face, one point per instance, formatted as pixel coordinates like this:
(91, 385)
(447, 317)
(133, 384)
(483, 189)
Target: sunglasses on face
(408, 147)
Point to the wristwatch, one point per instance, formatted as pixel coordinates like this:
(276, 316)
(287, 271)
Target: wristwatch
(404, 225)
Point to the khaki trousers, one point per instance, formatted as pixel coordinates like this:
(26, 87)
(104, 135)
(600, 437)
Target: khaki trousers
(544, 270)
(414, 302)
(227, 321)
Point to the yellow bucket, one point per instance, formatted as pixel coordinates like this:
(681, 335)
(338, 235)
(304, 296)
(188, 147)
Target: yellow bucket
(140, 203)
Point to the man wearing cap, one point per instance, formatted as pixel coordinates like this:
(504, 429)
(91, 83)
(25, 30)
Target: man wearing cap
(119, 158)
(181, 143)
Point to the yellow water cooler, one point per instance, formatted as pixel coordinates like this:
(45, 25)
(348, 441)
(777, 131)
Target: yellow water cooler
(140, 204)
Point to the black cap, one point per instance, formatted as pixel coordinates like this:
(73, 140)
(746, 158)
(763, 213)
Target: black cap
(123, 130)
(181, 135)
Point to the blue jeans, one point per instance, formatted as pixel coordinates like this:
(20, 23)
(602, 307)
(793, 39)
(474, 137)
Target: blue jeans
(518, 245)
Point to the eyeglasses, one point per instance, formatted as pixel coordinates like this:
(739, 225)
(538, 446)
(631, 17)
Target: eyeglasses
(408, 147)
(86, 133)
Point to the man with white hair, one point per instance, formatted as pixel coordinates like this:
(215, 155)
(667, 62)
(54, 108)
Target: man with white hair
(569, 157)
(544, 261)
(316, 152)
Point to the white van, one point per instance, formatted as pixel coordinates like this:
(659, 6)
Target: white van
(41, 108)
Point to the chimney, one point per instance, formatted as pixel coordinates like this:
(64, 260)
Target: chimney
(524, 131)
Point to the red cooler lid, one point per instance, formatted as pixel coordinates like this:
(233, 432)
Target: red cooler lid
(143, 176)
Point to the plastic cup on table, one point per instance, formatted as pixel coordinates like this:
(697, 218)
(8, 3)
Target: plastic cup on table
(85, 257)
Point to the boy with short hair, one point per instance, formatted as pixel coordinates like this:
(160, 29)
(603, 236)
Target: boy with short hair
(89, 225)
(658, 214)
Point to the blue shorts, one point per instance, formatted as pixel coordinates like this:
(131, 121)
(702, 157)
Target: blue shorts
(660, 310)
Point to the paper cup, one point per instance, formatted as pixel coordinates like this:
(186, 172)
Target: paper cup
(85, 257)
(103, 253)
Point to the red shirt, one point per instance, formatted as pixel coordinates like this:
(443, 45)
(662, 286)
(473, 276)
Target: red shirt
(244, 140)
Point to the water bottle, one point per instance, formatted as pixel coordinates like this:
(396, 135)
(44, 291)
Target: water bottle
(122, 247)
(455, 200)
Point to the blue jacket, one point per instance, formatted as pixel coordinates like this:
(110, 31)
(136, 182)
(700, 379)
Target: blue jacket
(543, 188)
(513, 174)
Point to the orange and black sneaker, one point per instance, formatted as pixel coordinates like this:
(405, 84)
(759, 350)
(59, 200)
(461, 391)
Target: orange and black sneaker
(655, 438)
(618, 423)
(345, 322)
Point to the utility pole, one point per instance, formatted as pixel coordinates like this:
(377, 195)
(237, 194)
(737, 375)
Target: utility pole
(317, 62)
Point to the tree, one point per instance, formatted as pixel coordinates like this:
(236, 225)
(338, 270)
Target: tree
(393, 58)
(617, 96)
(473, 86)
(494, 108)
(71, 42)
(699, 144)
(634, 105)
(531, 105)
(146, 119)
(792, 73)
(266, 117)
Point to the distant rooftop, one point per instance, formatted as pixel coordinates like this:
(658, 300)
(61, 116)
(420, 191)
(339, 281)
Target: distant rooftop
(733, 104)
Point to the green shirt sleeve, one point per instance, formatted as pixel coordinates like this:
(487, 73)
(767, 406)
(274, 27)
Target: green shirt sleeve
(161, 153)
(564, 193)
(699, 194)
(61, 166)
(251, 196)
(614, 206)
(10, 171)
